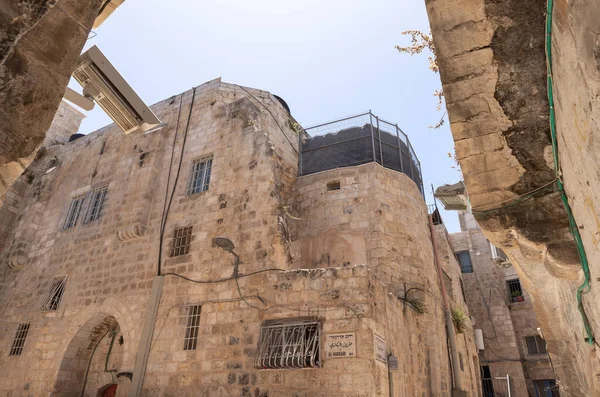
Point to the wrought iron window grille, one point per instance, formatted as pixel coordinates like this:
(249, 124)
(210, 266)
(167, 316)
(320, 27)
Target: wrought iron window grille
(52, 297)
(289, 344)
(515, 293)
(98, 198)
(199, 179)
(190, 341)
(73, 212)
(182, 238)
(19, 340)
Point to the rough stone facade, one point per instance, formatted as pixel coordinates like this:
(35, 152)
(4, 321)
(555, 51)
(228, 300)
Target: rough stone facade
(40, 43)
(66, 120)
(378, 246)
(493, 68)
(504, 320)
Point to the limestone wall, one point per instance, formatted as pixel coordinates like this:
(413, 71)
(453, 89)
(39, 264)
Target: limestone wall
(505, 324)
(493, 69)
(39, 47)
(376, 210)
(253, 200)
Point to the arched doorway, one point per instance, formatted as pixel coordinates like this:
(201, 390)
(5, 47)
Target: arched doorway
(91, 360)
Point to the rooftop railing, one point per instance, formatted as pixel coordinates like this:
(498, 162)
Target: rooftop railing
(356, 140)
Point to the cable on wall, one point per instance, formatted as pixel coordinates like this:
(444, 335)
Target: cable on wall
(168, 206)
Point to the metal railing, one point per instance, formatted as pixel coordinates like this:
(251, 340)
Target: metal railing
(496, 387)
(356, 140)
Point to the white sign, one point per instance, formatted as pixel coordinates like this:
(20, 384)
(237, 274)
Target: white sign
(379, 344)
(342, 345)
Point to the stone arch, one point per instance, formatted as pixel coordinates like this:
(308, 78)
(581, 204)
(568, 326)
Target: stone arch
(88, 328)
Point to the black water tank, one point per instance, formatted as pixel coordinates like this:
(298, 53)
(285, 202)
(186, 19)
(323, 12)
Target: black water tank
(75, 136)
(285, 105)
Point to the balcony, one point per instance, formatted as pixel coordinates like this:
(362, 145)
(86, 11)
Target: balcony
(357, 140)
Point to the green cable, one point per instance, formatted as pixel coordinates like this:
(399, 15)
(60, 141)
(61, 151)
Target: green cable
(585, 287)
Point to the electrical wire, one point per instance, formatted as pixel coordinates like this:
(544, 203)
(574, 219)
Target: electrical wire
(168, 207)
(546, 189)
(220, 280)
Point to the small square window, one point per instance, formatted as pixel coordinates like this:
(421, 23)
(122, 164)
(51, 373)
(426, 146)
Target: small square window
(515, 293)
(94, 211)
(199, 175)
(535, 344)
(464, 258)
(19, 340)
(190, 342)
(73, 212)
(51, 299)
(182, 238)
(289, 344)
(333, 185)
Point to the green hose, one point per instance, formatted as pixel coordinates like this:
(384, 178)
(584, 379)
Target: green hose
(585, 287)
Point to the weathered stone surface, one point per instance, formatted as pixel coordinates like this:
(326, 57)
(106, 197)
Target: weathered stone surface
(377, 222)
(534, 232)
(40, 43)
(505, 323)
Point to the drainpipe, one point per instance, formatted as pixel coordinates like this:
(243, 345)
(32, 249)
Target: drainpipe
(143, 352)
(457, 390)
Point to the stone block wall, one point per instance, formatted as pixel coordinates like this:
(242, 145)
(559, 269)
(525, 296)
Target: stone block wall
(376, 210)
(492, 62)
(253, 200)
(504, 324)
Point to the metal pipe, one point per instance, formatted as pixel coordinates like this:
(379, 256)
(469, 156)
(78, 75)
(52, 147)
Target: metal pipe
(447, 314)
(399, 148)
(372, 136)
(379, 135)
(301, 152)
(337, 121)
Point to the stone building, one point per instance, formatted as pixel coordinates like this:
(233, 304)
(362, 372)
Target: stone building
(531, 166)
(195, 260)
(503, 311)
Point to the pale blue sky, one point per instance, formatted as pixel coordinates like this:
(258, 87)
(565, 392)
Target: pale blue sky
(326, 58)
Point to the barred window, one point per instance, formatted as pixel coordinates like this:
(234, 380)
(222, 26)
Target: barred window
(19, 341)
(73, 212)
(199, 175)
(190, 342)
(535, 344)
(289, 344)
(464, 258)
(94, 210)
(50, 300)
(182, 238)
(515, 293)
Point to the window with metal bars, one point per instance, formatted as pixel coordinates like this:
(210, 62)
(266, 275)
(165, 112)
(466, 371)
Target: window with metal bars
(73, 212)
(535, 344)
(52, 297)
(19, 341)
(199, 175)
(289, 344)
(515, 293)
(464, 258)
(182, 238)
(190, 342)
(97, 198)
